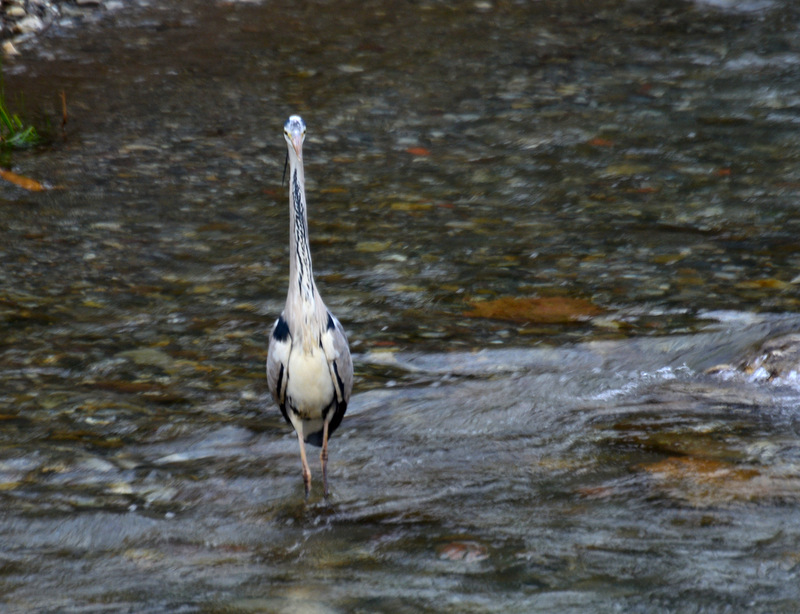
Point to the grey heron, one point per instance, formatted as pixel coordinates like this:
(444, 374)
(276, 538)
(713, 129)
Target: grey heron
(309, 368)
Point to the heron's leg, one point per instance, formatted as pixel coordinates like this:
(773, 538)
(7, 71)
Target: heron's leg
(323, 458)
(306, 470)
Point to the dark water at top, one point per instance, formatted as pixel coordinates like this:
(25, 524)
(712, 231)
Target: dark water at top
(641, 156)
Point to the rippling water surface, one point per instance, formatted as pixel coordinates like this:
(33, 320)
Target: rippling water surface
(632, 162)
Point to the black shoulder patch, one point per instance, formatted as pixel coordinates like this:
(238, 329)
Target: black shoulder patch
(331, 325)
(281, 330)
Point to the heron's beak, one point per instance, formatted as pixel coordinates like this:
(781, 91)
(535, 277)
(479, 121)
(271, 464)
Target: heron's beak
(297, 143)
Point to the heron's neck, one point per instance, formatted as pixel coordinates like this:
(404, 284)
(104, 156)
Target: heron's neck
(301, 277)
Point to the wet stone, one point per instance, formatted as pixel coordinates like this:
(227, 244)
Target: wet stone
(466, 551)
(777, 358)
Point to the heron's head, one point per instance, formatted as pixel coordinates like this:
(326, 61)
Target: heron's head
(294, 131)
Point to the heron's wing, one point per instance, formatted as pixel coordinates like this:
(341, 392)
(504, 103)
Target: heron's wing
(334, 344)
(280, 345)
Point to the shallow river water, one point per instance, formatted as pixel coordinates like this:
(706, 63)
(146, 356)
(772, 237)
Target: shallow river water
(557, 234)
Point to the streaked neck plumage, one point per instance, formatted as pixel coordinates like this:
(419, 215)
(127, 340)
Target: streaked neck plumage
(301, 276)
(303, 303)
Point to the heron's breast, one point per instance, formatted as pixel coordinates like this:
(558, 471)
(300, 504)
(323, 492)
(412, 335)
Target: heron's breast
(309, 389)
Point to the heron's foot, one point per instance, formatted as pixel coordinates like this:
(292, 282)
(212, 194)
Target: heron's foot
(306, 470)
(323, 457)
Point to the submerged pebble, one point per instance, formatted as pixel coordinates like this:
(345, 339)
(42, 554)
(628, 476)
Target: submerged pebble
(467, 551)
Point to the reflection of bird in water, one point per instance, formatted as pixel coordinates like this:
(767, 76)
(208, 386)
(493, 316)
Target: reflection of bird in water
(309, 369)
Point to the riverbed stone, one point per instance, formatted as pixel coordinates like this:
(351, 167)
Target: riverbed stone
(15, 12)
(31, 23)
(20, 21)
